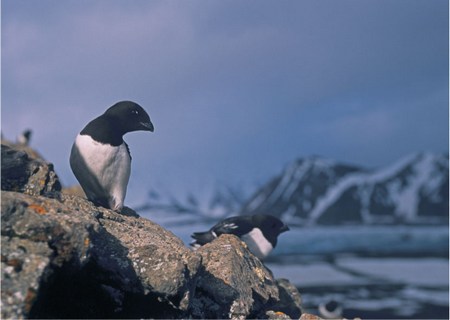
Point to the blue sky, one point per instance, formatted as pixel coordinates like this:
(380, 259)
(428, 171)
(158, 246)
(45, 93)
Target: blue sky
(235, 89)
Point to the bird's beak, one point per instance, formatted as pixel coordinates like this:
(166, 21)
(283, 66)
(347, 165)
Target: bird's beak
(284, 228)
(147, 126)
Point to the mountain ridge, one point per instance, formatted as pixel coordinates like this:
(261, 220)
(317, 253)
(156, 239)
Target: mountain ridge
(316, 190)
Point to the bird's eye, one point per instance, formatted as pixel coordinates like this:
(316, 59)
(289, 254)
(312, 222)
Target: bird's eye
(135, 112)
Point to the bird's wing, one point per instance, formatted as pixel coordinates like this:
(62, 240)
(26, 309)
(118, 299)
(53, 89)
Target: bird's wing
(128, 150)
(234, 225)
(201, 238)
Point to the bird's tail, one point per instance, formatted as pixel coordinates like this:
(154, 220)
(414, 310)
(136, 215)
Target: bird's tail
(201, 238)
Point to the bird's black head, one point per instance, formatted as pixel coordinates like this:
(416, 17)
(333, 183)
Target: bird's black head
(129, 116)
(270, 226)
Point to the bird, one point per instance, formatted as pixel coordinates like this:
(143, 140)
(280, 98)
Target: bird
(260, 232)
(100, 159)
(25, 137)
(330, 310)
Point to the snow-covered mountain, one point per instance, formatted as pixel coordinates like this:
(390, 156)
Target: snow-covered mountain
(315, 190)
(211, 203)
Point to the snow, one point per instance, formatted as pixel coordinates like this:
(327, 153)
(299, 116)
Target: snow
(436, 178)
(392, 170)
(405, 198)
(289, 215)
(365, 193)
(318, 274)
(256, 202)
(307, 190)
(406, 308)
(333, 193)
(293, 175)
(380, 240)
(283, 184)
(413, 271)
(298, 174)
(427, 295)
(402, 285)
(306, 205)
(368, 239)
(170, 220)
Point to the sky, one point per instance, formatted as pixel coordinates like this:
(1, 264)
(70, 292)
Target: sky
(236, 89)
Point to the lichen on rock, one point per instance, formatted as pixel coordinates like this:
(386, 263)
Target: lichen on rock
(234, 280)
(63, 257)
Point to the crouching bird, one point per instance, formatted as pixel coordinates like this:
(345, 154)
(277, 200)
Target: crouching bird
(101, 160)
(260, 232)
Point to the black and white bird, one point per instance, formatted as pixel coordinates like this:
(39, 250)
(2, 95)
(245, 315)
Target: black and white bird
(330, 310)
(25, 137)
(260, 232)
(101, 160)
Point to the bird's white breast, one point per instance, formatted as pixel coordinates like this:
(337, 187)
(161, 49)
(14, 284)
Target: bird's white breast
(110, 165)
(257, 243)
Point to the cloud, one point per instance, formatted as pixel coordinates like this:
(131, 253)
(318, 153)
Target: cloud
(375, 126)
(235, 89)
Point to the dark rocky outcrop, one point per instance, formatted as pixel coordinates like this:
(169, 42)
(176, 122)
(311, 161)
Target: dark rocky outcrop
(105, 264)
(63, 257)
(25, 172)
(244, 292)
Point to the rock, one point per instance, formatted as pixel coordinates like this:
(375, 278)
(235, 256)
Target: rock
(74, 190)
(22, 173)
(277, 315)
(32, 154)
(63, 257)
(165, 267)
(307, 316)
(235, 284)
(104, 263)
(43, 239)
(290, 300)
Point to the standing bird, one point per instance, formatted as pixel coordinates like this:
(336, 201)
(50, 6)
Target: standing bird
(260, 232)
(25, 137)
(101, 160)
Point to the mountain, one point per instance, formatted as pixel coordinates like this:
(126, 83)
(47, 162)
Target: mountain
(314, 190)
(212, 203)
